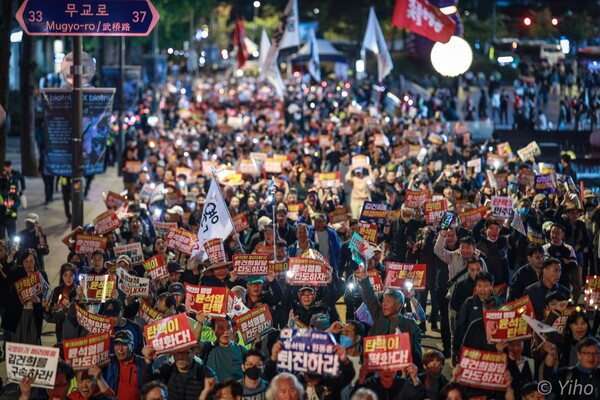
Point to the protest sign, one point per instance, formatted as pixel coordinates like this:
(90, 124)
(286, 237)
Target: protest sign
(206, 299)
(397, 273)
(560, 322)
(29, 286)
(523, 305)
(546, 168)
(180, 239)
(278, 266)
(85, 352)
(263, 249)
(115, 200)
(175, 198)
(374, 212)
(325, 141)
(434, 210)
(249, 167)
(501, 180)
(161, 228)
(294, 211)
(517, 224)
(490, 178)
(251, 264)
(503, 207)
(89, 243)
(482, 369)
(495, 162)
(272, 166)
(106, 222)
(368, 231)
(475, 164)
(307, 272)
(133, 251)
(529, 152)
(148, 313)
(328, 180)
(545, 184)
(170, 334)
(37, 362)
(215, 250)
(504, 149)
(526, 178)
(470, 217)
(255, 321)
(376, 283)
(308, 351)
(133, 285)
(534, 236)
(98, 288)
(147, 192)
(505, 325)
(93, 323)
(415, 198)
(592, 292)
(156, 268)
(340, 214)
(360, 248)
(387, 352)
(360, 161)
(240, 222)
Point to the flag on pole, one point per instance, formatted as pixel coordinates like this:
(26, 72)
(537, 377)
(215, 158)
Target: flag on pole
(287, 21)
(423, 18)
(269, 72)
(375, 42)
(239, 35)
(314, 63)
(215, 221)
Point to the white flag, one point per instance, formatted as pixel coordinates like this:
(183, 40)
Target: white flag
(517, 223)
(269, 72)
(314, 63)
(538, 327)
(215, 221)
(375, 42)
(281, 38)
(291, 35)
(265, 45)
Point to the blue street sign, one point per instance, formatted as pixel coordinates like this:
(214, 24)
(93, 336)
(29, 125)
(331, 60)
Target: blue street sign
(88, 17)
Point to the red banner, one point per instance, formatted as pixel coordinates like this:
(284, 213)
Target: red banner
(294, 211)
(206, 299)
(415, 198)
(215, 250)
(93, 323)
(170, 334)
(368, 231)
(29, 286)
(258, 320)
(156, 268)
(251, 264)
(434, 210)
(397, 273)
(423, 18)
(306, 271)
(106, 222)
(180, 239)
(161, 228)
(505, 325)
(148, 313)
(240, 222)
(387, 352)
(482, 369)
(83, 353)
(592, 292)
(375, 279)
(278, 266)
(89, 243)
(561, 321)
(469, 218)
(98, 288)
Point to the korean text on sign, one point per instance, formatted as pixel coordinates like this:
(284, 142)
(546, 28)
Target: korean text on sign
(98, 288)
(592, 292)
(83, 353)
(254, 322)
(397, 273)
(482, 369)
(29, 286)
(311, 352)
(170, 334)
(93, 323)
(251, 264)
(502, 206)
(387, 352)
(29, 360)
(505, 325)
(180, 239)
(156, 268)
(206, 299)
(306, 271)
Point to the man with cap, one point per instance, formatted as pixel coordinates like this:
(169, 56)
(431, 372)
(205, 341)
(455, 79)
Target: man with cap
(494, 247)
(217, 274)
(90, 383)
(174, 214)
(113, 308)
(178, 291)
(551, 272)
(124, 374)
(327, 239)
(32, 237)
(285, 230)
(259, 293)
(565, 253)
(262, 242)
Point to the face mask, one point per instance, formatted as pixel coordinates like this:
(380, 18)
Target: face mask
(523, 210)
(191, 205)
(253, 373)
(345, 341)
(406, 219)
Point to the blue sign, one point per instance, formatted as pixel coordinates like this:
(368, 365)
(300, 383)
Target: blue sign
(89, 18)
(308, 351)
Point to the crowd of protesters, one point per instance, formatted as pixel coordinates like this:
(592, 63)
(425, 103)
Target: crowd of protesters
(322, 128)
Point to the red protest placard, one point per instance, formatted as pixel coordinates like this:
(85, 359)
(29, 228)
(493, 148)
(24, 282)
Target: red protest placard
(387, 352)
(368, 231)
(161, 228)
(251, 264)
(505, 325)
(328, 179)
(180, 239)
(592, 292)
(170, 334)
(83, 353)
(106, 222)
(434, 210)
(240, 222)
(115, 200)
(29, 286)
(156, 268)
(523, 305)
(263, 249)
(148, 313)
(375, 279)
(294, 211)
(93, 323)
(133, 251)
(526, 178)
(482, 369)
(340, 214)
(307, 271)
(469, 218)
(415, 198)
(98, 288)
(397, 273)
(206, 299)
(215, 250)
(258, 320)
(561, 321)
(89, 243)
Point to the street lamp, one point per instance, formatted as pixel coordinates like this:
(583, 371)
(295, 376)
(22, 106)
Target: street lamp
(256, 5)
(527, 21)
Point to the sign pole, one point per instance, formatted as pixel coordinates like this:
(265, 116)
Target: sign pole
(120, 117)
(77, 135)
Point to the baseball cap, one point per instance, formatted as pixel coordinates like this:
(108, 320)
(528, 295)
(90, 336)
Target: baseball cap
(176, 288)
(263, 222)
(303, 288)
(176, 210)
(320, 321)
(174, 266)
(255, 279)
(112, 308)
(124, 336)
(124, 258)
(33, 218)
(538, 197)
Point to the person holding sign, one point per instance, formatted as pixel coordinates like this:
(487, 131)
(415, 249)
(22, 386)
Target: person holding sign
(391, 385)
(55, 311)
(493, 246)
(361, 191)
(551, 272)
(90, 383)
(64, 375)
(223, 356)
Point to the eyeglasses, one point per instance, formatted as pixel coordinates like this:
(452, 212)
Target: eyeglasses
(250, 365)
(590, 353)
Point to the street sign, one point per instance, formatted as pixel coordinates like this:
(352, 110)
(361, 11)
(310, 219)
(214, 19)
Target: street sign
(89, 18)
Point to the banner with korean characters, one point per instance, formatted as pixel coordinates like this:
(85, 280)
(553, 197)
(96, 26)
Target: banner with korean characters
(504, 149)
(340, 214)
(29, 360)
(248, 167)
(526, 178)
(327, 180)
(254, 322)
(148, 313)
(147, 192)
(592, 292)
(308, 351)
(545, 184)
(98, 288)
(180, 239)
(475, 164)
(434, 210)
(482, 369)
(361, 250)
(307, 272)
(161, 228)
(272, 166)
(523, 305)
(89, 243)
(133, 251)
(170, 334)
(29, 286)
(387, 352)
(133, 285)
(106, 222)
(503, 207)
(415, 198)
(368, 231)
(251, 264)
(469, 218)
(85, 352)
(206, 299)
(495, 161)
(376, 283)
(115, 200)
(294, 211)
(93, 323)
(360, 161)
(240, 222)
(561, 321)
(156, 268)
(397, 273)
(505, 325)
(374, 212)
(529, 152)
(501, 180)
(278, 266)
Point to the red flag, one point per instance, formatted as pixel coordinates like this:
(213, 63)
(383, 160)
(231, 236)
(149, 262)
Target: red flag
(239, 34)
(423, 18)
